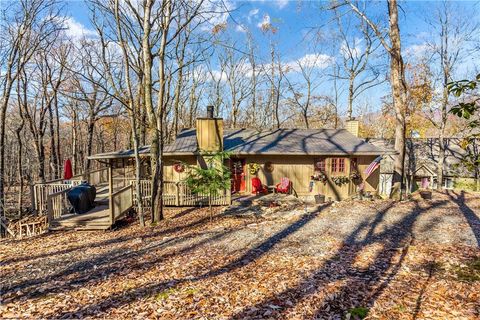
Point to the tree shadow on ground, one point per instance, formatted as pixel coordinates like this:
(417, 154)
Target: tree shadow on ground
(341, 267)
(114, 262)
(145, 291)
(472, 218)
(116, 240)
(184, 212)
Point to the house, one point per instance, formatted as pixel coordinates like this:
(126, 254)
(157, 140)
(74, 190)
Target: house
(421, 164)
(317, 161)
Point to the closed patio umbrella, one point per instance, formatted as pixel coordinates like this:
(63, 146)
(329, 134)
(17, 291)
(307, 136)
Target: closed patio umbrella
(67, 170)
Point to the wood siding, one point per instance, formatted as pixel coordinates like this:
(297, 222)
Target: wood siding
(298, 169)
(210, 134)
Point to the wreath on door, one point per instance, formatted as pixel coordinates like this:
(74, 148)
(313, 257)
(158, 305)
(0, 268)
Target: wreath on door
(253, 168)
(178, 167)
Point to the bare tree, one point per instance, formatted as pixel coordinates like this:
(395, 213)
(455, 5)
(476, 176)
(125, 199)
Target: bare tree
(302, 94)
(453, 32)
(356, 54)
(392, 45)
(26, 24)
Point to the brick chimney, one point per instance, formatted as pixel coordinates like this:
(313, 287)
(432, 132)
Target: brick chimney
(210, 132)
(353, 126)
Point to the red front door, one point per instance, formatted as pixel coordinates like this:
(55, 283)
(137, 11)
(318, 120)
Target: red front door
(237, 168)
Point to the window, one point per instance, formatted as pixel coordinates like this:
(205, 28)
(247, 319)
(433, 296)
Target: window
(448, 183)
(319, 164)
(341, 165)
(338, 164)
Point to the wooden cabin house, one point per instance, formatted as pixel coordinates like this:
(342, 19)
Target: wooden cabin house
(329, 162)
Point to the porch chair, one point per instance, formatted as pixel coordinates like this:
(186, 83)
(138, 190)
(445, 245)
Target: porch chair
(257, 186)
(284, 186)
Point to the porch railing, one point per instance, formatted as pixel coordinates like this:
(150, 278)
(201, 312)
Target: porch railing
(177, 193)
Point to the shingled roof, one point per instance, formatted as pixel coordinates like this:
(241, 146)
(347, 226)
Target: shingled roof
(422, 154)
(269, 142)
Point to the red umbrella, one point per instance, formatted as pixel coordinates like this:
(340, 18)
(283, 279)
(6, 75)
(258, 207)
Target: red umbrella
(67, 170)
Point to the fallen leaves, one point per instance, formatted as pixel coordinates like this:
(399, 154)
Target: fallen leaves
(236, 267)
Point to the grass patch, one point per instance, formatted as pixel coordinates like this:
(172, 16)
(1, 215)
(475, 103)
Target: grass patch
(469, 272)
(357, 313)
(163, 295)
(190, 291)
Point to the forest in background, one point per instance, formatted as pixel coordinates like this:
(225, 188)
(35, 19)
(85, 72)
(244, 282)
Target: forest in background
(149, 68)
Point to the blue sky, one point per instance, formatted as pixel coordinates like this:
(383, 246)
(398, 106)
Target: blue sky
(295, 20)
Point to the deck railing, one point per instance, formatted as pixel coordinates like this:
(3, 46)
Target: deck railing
(177, 193)
(145, 191)
(57, 205)
(122, 202)
(42, 190)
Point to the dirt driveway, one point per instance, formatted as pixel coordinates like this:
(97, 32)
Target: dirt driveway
(416, 259)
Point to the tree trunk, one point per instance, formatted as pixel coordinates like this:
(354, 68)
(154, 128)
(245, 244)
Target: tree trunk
(399, 90)
(20, 161)
(53, 147)
(57, 131)
(74, 142)
(3, 115)
(441, 158)
(350, 97)
(90, 131)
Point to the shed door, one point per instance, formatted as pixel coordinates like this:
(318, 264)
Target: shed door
(386, 183)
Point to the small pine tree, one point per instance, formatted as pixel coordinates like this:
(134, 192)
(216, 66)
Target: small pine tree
(213, 179)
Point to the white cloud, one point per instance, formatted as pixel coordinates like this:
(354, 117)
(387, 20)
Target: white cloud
(76, 30)
(240, 28)
(281, 3)
(253, 12)
(265, 23)
(215, 13)
(417, 50)
(353, 50)
(310, 60)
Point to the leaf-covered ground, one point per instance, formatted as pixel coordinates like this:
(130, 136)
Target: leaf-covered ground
(386, 260)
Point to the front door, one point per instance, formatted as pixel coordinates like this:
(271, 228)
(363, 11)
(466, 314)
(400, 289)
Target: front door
(237, 168)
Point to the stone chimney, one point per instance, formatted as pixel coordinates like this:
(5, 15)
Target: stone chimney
(210, 132)
(353, 126)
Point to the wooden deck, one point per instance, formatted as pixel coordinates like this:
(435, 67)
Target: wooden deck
(95, 219)
(114, 199)
(98, 218)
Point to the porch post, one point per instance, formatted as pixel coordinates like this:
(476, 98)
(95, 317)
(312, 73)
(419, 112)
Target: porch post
(110, 190)
(177, 194)
(229, 196)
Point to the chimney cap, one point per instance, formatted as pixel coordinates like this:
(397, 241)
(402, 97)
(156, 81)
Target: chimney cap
(210, 111)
